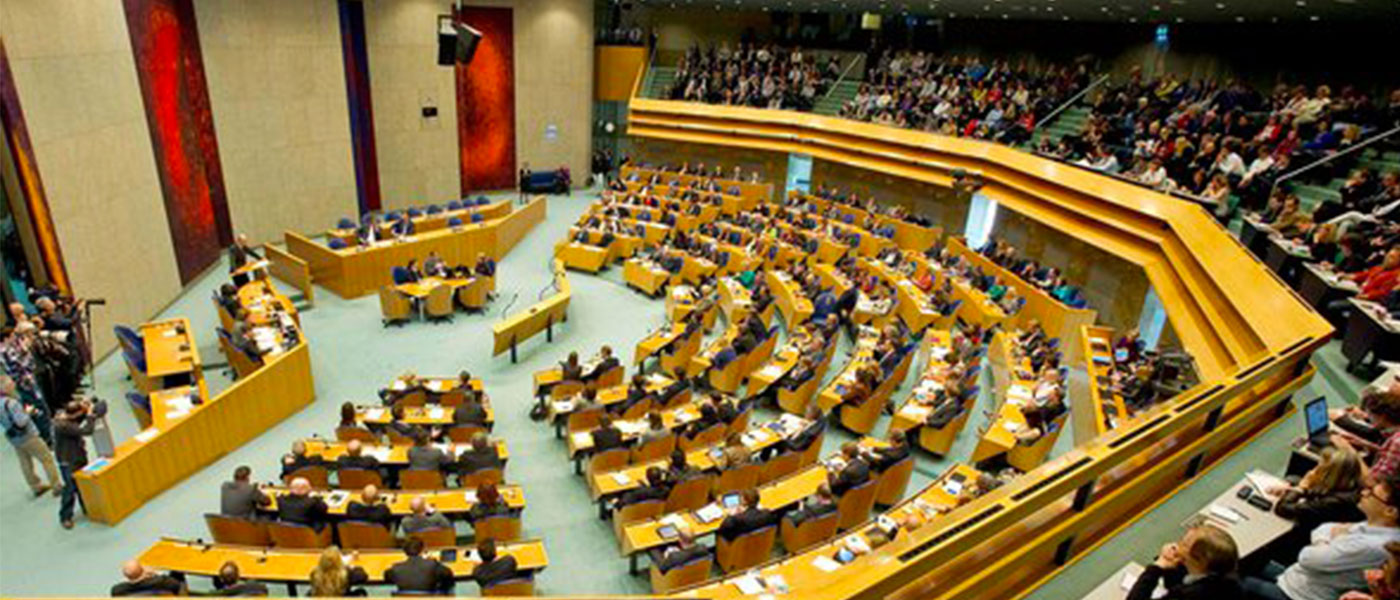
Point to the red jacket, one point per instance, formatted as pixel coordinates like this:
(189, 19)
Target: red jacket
(1376, 282)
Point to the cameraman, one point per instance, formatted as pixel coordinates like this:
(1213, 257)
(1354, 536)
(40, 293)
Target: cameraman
(75, 422)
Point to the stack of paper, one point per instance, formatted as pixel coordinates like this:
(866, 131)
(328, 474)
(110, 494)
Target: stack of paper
(749, 585)
(437, 412)
(435, 385)
(621, 478)
(583, 438)
(147, 435)
(709, 513)
(825, 564)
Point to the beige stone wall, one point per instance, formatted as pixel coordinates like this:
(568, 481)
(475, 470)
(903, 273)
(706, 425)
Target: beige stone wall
(941, 205)
(417, 156)
(553, 85)
(277, 88)
(77, 84)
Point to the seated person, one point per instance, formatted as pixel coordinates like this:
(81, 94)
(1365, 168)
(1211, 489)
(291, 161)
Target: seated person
(678, 469)
(493, 569)
(636, 392)
(1383, 583)
(800, 374)
(604, 363)
(371, 508)
(333, 577)
(435, 266)
(241, 497)
(228, 298)
(1040, 415)
(300, 507)
(423, 518)
(884, 457)
(424, 457)
(656, 429)
(141, 581)
(850, 472)
(485, 266)
(230, 583)
(1199, 567)
(489, 503)
(354, 458)
(1328, 493)
(820, 504)
(683, 552)
(1340, 553)
(419, 574)
(748, 518)
(412, 274)
(656, 487)
(607, 436)
(471, 411)
(571, 370)
(734, 454)
(679, 383)
(480, 456)
(800, 440)
(400, 426)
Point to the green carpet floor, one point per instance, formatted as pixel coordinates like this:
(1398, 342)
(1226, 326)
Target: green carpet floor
(352, 356)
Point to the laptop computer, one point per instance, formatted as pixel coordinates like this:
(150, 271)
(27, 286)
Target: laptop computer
(1315, 413)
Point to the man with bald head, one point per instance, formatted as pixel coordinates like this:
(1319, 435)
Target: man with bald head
(354, 458)
(299, 506)
(17, 313)
(370, 507)
(299, 459)
(141, 581)
(423, 518)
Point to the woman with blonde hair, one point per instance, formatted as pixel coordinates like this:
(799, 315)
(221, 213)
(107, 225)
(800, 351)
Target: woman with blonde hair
(332, 577)
(1329, 493)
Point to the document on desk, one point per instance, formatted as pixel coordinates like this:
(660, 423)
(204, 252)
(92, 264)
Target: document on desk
(583, 438)
(709, 513)
(621, 478)
(436, 412)
(380, 453)
(1130, 579)
(825, 564)
(772, 371)
(147, 435)
(749, 585)
(435, 385)
(469, 496)
(1263, 482)
(374, 414)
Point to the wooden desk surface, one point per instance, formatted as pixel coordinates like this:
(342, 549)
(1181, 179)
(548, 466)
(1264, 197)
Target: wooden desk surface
(1257, 529)
(607, 396)
(415, 415)
(756, 439)
(914, 410)
(863, 354)
(170, 347)
(169, 406)
(294, 566)
(253, 298)
(424, 286)
(387, 455)
(657, 340)
(446, 501)
(582, 441)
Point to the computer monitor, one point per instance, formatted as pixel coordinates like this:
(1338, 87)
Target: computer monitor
(1315, 413)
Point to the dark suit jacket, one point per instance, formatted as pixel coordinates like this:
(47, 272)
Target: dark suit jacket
(885, 458)
(297, 462)
(607, 438)
(242, 588)
(643, 494)
(148, 586)
(746, 521)
(811, 509)
(240, 255)
(803, 439)
(855, 473)
(373, 513)
(420, 574)
(501, 569)
(368, 463)
(469, 413)
(306, 510)
(70, 448)
(1210, 587)
(427, 458)
(472, 461)
(675, 557)
(603, 367)
(481, 510)
(240, 499)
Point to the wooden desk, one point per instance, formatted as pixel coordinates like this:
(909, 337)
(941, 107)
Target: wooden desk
(776, 367)
(657, 341)
(757, 439)
(160, 457)
(389, 455)
(795, 307)
(734, 300)
(170, 349)
(425, 223)
(421, 288)
(861, 355)
(1284, 256)
(581, 442)
(540, 317)
(1106, 408)
(1258, 528)
(294, 566)
(170, 405)
(356, 271)
(645, 276)
(582, 257)
(1320, 286)
(915, 409)
(451, 502)
(438, 416)
(560, 409)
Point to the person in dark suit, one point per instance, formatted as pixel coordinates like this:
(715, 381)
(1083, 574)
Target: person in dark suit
(401, 427)
(679, 383)
(228, 298)
(1205, 556)
(607, 436)
(884, 457)
(230, 583)
(141, 581)
(801, 440)
(683, 552)
(76, 421)
(743, 344)
(370, 507)
(300, 507)
(489, 503)
(678, 469)
(571, 370)
(606, 362)
(418, 574)
(354, 458)
(636, 392)
(493, 569)
(471, 411)
(821, 504)
(800, 374)
(241, 253)
(481, 455)
(240, 497)
(298, 459)
(655, 488)
(750, 517)
(755, 327)
(726, 355)
(852, 474)
(425, 457)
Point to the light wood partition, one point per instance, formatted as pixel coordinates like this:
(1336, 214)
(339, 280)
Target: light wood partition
(538, 318)
(1250, 335)
(293, 270)
(355, 271)
(1058, 319)
(152, 462)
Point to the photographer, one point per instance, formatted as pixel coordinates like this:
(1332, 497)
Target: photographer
(18, 360)
(75, 422)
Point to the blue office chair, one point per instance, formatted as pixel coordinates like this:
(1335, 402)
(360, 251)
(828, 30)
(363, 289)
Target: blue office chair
(734, 190)
(129, 338)
(139, 402)
(136, 360)
(848, 218)
(345, 223)
(482, 200)
(434, 209)
(952, 307)
(477, 218)
(454, 222)
(644, 217)
(415, 212)
(454, 205)
(394, 216)
(723, 259)
(337, 244)
(400, 275)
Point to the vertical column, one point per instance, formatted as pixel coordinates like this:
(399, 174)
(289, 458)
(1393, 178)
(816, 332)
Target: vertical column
(361, 108)
(31, 187)
(1152, 320)
(981, 219)
(799, 173)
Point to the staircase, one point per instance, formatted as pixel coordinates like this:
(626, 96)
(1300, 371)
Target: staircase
(659, 81)
(1070, 121)
(1312, 193)
(844, 92)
